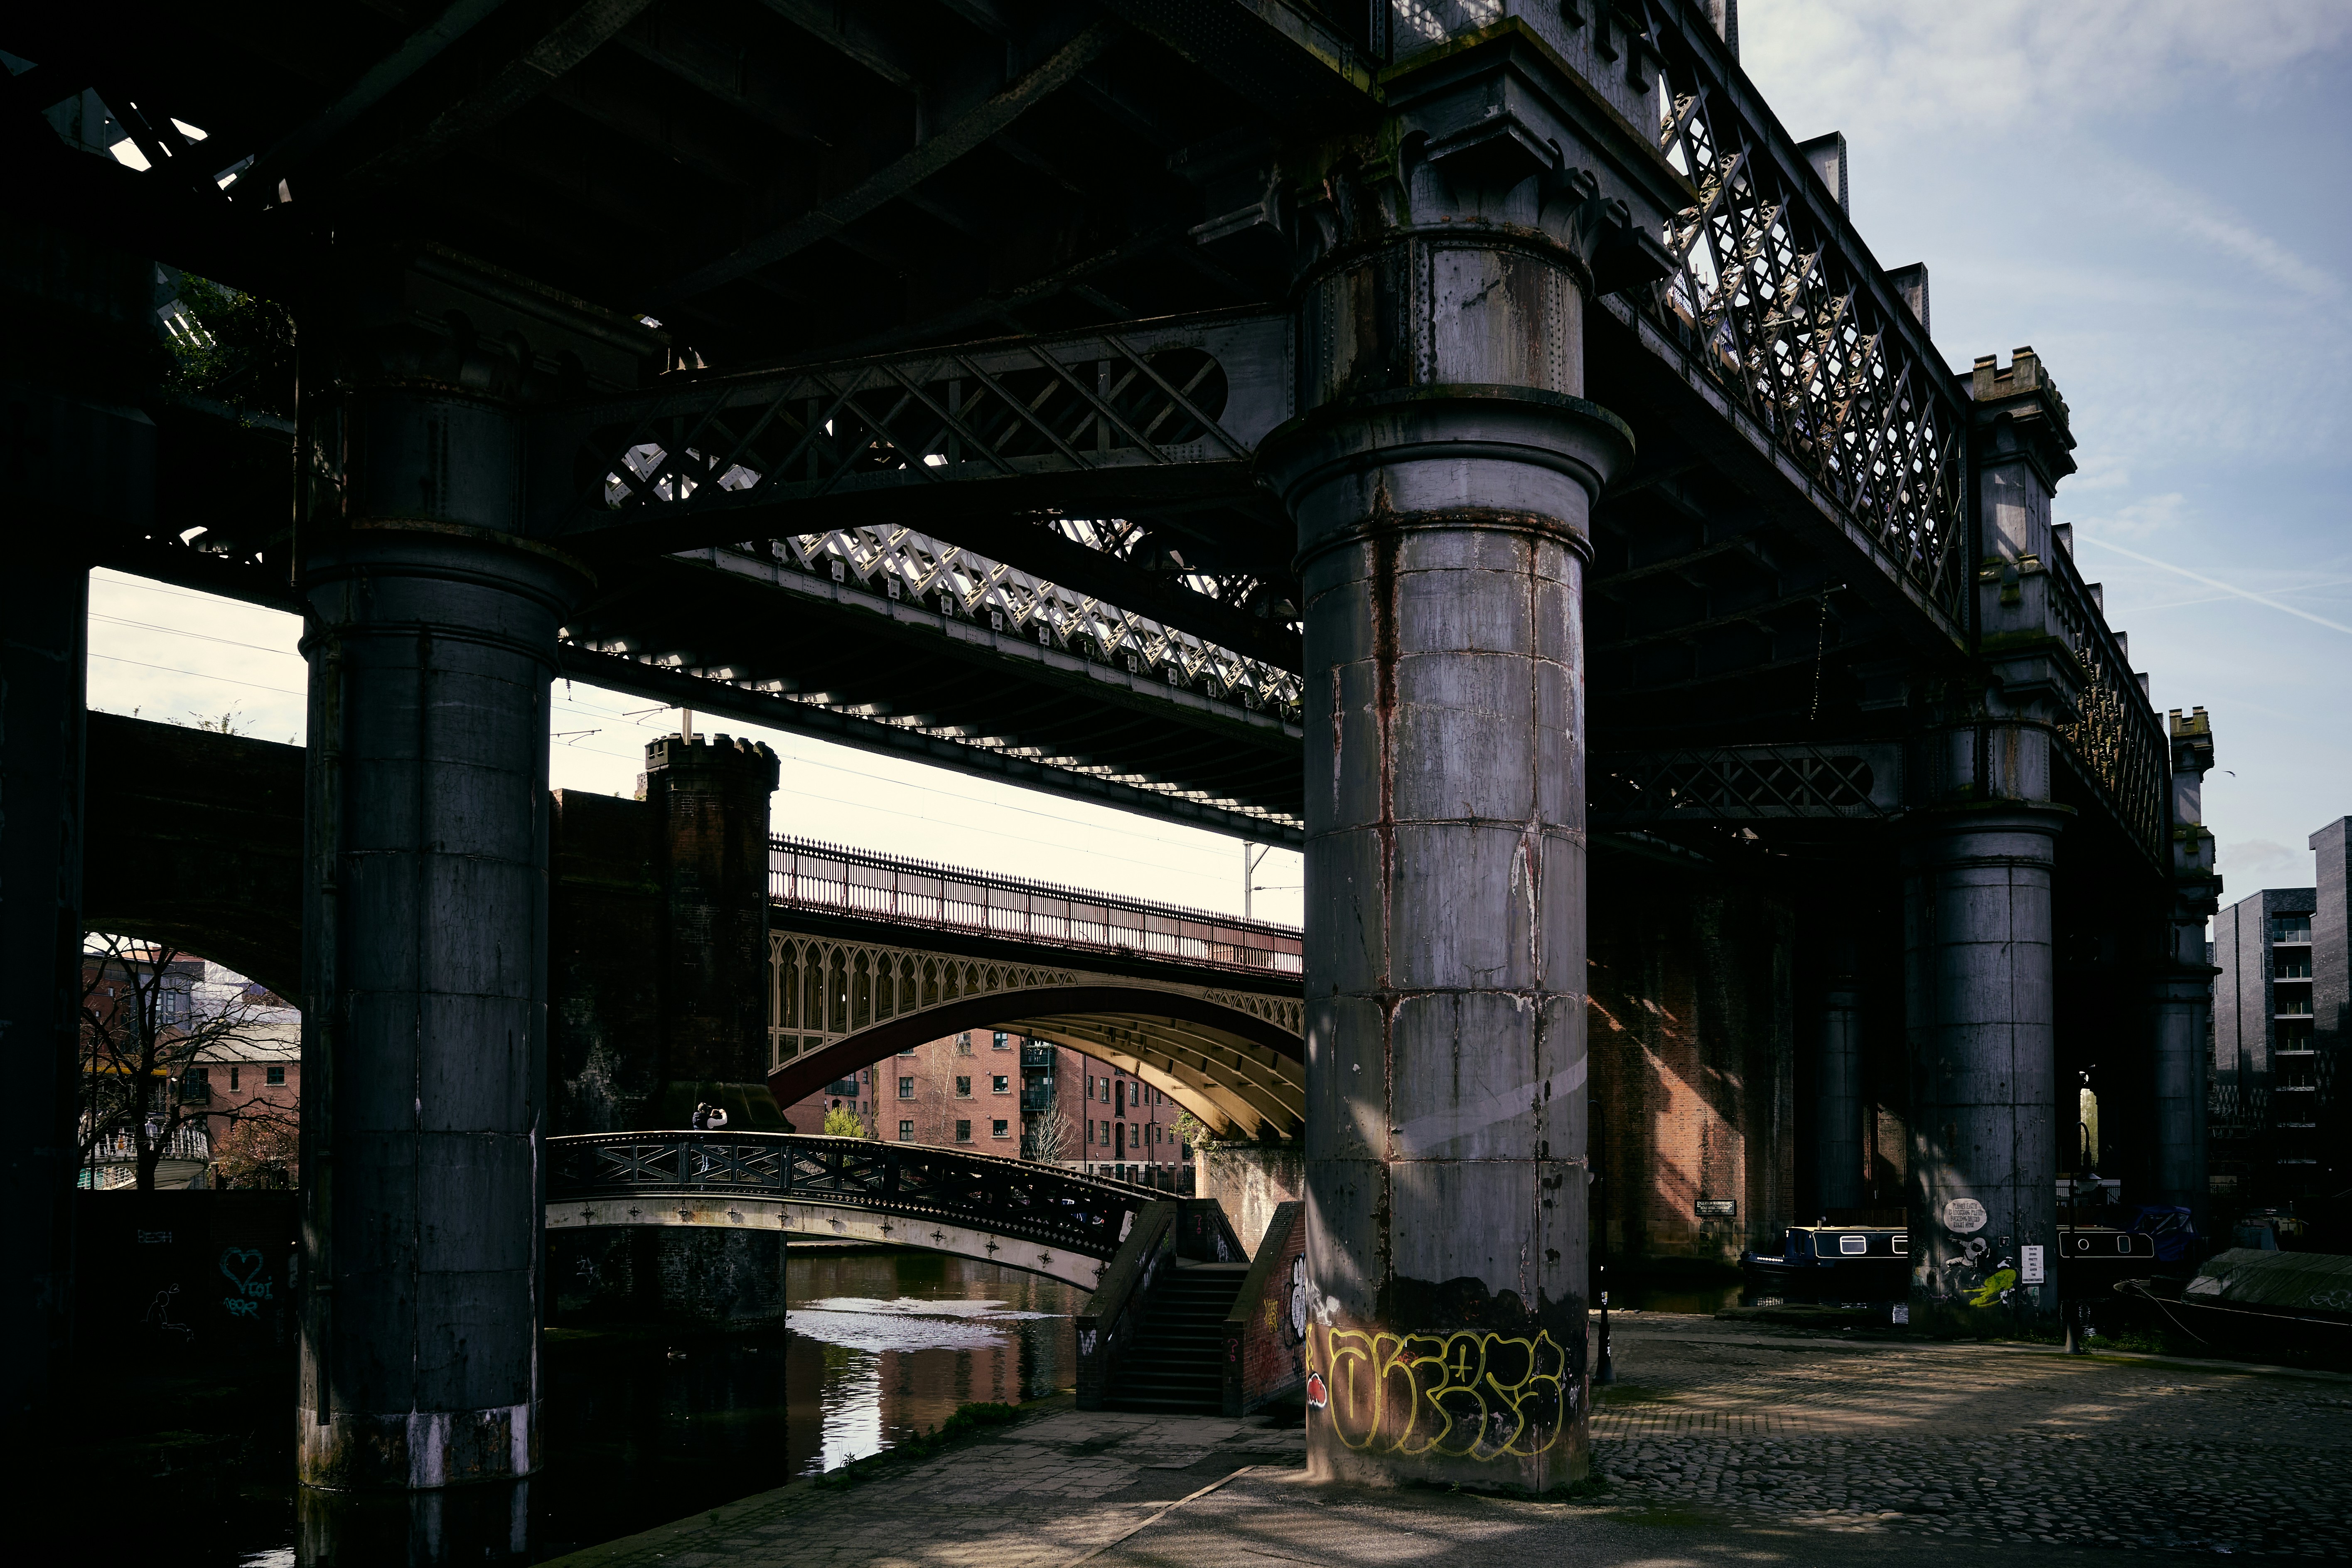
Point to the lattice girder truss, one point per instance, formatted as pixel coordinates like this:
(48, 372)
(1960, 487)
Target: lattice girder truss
(1788, 315)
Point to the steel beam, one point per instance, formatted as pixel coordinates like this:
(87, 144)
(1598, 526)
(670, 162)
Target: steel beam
(775, 712)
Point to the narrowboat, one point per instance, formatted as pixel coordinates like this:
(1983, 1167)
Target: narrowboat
(1833, 1263)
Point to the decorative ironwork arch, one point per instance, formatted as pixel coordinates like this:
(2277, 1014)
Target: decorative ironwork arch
(1236, 1060)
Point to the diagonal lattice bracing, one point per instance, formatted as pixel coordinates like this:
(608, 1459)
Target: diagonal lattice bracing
(2114, 739)
(1785, 311)
(1861, 783)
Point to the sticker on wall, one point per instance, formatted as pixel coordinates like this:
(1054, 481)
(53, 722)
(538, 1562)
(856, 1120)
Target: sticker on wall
(1964, 1216)
(1318, 1396)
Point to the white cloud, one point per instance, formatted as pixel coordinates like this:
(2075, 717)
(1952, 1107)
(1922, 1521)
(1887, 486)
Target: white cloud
(2021, 66)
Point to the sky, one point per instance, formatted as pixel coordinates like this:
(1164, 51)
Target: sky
(2154, 194)
(2151, 194)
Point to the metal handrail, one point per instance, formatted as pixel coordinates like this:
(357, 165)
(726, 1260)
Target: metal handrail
(832, 878)
(1086, 1215)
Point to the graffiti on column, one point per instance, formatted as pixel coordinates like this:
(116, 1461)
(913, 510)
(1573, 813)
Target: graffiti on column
(1474, 1396)
(1981, 1269)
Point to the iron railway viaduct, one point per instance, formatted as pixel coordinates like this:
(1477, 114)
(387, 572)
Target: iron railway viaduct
(1469, 443)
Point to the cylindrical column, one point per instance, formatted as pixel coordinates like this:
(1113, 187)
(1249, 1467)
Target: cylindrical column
(1837, 1078)
(1978, 1014)
(1442, 533)
(431, 638)
(2181, 1005)
(44, 616)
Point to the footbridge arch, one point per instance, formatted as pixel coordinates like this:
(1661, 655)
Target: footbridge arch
(1234, 1058)
(1042, 1219)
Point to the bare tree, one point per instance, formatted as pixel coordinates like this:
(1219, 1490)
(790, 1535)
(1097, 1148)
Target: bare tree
(144, 1025)
(1046, 1137)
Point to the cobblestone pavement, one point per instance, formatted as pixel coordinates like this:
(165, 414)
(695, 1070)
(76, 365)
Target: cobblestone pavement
(1981, 1442)
(1722, 1444)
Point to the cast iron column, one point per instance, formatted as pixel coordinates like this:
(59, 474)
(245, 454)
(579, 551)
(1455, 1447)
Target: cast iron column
(1977, 945)
(1837, 1082)
(2183, 985)
(1980, 1002)
(431, 637)
(44, 618)
(1440, 480)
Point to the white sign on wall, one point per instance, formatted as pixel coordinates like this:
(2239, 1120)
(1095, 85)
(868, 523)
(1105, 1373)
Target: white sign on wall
(2029, 1265)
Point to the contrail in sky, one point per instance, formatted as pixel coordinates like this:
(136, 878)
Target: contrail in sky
(2216, 582)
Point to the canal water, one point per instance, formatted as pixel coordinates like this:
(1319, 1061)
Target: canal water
(645, 1426)
(641, 1426)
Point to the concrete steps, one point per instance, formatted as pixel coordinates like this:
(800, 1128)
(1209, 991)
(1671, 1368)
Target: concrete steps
(1174, 1366)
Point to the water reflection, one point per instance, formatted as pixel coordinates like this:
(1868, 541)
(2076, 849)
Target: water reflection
(647, 1426)
(641, 1425)
(905, 1338)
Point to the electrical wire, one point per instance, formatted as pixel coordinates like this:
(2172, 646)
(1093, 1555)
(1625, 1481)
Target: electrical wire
(800, 760)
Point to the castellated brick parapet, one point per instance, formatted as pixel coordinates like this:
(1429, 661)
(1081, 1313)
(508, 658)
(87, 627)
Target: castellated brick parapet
(2020, 410)
(710, 795)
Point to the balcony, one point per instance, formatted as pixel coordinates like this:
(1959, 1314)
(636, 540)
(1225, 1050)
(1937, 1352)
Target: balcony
(1036, 1056)
(1037, 1098)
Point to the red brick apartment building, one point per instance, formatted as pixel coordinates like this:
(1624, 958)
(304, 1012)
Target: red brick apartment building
(997, 1093)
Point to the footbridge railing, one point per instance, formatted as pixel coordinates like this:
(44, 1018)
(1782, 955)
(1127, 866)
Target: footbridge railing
(1015, 1200)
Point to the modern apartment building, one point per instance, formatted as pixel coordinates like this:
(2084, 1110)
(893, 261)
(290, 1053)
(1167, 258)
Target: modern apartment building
(997, 1093)
(2278, 1116)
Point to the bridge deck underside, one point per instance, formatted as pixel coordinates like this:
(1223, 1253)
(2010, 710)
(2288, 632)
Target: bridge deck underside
(839, 183)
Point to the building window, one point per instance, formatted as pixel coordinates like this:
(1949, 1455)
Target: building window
(2290, 928)
(1103, 1129)
(1004, 1041)
(232, 1080)
(907, 1052)
(2296, 965)
(963, 1089)
(963, 1132)
(997, 1129)
(906, 1132)
(1000, 1084)
(906, 1088)
(1105, 1096)
(274, 1076)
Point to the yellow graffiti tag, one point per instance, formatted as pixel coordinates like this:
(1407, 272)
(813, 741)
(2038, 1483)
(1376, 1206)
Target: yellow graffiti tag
(1479, 1395)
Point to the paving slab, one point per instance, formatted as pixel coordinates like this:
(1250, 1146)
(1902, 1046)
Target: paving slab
(1720, 1443)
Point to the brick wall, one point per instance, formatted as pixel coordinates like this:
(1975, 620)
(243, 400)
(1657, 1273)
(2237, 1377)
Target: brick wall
(1266, 1348)
(1692, 1063)
(605, 911)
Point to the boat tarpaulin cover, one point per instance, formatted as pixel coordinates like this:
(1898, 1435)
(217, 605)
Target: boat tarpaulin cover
(2289, 1281)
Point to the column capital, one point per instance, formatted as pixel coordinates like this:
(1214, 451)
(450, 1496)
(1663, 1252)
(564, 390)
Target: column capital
(2003, 832)
(1515, 459)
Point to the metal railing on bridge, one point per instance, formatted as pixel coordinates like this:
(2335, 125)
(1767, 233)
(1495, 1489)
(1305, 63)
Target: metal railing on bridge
(1086, 1215)
(1775, 300)
(831, 879)
(2114, 740)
